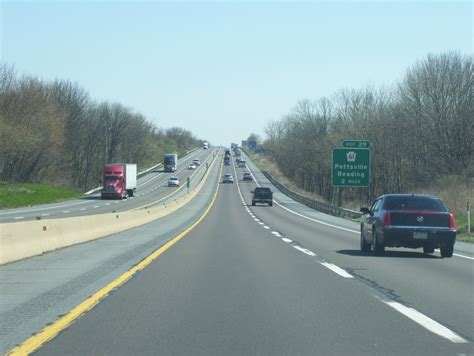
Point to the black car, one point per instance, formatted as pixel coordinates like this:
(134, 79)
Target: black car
(404, 220)
(248, 176)
(262, 195)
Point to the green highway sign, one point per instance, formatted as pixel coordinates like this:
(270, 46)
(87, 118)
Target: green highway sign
(356, 144)
(350, 167)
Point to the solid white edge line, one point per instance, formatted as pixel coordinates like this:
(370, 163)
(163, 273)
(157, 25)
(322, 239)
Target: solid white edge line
(336, 269)
(462, 256)
(426, 322)
(317, 221)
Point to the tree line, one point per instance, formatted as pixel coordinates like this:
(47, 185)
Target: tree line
(53, 132)
(421, 130)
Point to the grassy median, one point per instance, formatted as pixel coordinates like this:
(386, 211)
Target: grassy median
(15, 195)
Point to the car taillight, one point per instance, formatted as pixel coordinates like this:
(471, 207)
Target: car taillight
(452, 222)
(386, 220)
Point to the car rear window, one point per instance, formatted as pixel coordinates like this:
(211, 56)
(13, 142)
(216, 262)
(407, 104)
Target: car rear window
(414, 203)
(262, 190)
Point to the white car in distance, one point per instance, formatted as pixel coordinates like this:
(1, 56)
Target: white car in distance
(173, 182)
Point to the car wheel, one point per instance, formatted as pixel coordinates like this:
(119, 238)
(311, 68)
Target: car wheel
(270, 204)
(428, 249)
(377, 247)
(364, 245)
(447, 251)
(253, 203)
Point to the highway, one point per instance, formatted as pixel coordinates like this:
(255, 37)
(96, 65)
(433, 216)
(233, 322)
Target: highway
(227, 278)
(151, 189)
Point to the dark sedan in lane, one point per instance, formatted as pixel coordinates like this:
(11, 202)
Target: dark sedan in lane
(404, 220)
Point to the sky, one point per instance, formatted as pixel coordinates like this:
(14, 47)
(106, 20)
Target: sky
(225, 69)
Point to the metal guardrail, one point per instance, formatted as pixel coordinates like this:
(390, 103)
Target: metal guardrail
(313, 204)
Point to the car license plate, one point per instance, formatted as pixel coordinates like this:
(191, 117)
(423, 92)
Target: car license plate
(420, 235)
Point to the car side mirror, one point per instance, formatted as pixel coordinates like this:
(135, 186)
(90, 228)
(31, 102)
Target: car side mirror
(365, 211)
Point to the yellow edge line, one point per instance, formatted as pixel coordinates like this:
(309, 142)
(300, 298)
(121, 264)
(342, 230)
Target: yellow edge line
(171, 194)
(51, 331)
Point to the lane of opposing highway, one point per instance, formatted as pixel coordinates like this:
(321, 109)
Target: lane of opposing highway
(150, 188)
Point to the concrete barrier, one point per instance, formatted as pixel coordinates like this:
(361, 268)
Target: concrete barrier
(31, 238)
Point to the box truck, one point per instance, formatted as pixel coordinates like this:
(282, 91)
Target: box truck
(171, 162)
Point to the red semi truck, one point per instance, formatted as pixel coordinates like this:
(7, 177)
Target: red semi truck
(119, 180)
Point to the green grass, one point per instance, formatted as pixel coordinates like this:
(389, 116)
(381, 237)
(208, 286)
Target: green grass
(461, 222)
(14, 195)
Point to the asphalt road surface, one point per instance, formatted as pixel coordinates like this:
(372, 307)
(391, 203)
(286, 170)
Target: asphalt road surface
(151, 188)
(275, 280)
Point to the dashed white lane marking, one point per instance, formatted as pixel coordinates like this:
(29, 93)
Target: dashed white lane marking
(66, 211)
(45, 214)
(261, 223)
(256, 219)
(286, 240)
(96, 206)
(266, 227)
(336, 269)
(107, 204)
(304, 250)
(308, 218)
(19, 217)
(426, 322)
(82, 209)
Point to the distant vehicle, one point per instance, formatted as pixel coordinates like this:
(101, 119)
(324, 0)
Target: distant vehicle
(248, 176)
(262, 195)
(173, 182)
(227, 152)
(228, 178)
(242, 163)
(197, 162)
(226, 161)
(171, 162)
(192, 166)
(413, 221)
(119, 180)
(205, 145)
